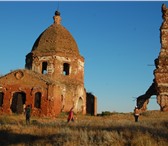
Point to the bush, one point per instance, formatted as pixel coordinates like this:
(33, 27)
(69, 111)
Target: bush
(106, 113)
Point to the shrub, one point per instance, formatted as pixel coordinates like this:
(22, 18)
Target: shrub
(106, 113)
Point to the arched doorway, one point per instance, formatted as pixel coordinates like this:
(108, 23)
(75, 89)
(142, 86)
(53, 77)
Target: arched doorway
(153, 105)
(80, 105)
(18, 100)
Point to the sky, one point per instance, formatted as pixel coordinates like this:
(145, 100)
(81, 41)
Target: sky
(118, 39)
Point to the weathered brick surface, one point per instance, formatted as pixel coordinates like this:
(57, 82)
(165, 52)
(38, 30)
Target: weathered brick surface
(28, 82)
(161, 72)
(53, 80)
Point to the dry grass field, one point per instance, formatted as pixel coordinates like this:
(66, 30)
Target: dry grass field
(117, 129)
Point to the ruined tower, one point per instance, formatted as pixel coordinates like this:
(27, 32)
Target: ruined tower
(159, 86)
(55, 54)
(161, 71)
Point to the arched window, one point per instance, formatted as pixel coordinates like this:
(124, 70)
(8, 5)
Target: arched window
(44, 68)
(66, 67)
(1, 98)
(18, 101)
(80, 105)
(37, 100)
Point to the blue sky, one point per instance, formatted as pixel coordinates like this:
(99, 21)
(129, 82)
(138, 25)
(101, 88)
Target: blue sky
(117, 39)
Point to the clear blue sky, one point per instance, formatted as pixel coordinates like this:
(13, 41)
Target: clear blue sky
(117, 39)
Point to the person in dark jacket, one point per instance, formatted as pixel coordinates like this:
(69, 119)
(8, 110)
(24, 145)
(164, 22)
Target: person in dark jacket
(28, 114)
(136, 113)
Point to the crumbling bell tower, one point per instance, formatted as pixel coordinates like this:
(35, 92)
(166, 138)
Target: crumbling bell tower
(161, 71)
(55, 54)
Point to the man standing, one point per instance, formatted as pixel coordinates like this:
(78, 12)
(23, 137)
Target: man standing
(28, 113)
(136, 113)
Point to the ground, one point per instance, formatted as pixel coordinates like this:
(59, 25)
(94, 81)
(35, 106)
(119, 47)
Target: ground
(113, 129)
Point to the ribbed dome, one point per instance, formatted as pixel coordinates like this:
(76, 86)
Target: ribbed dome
(55, 39)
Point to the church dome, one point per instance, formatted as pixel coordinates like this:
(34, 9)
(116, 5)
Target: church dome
(55, 39)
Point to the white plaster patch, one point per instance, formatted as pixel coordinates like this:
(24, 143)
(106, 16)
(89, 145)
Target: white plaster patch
(163, 84)
(45, 58)
(80, 91)
(164, 93)
(63, 89)
(80, 65)
(63, 59)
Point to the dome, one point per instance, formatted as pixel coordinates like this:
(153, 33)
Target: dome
(55, 38)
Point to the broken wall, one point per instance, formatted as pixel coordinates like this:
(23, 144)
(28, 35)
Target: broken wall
(161, 71)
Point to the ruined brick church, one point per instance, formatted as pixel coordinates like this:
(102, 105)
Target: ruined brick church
(53, 79)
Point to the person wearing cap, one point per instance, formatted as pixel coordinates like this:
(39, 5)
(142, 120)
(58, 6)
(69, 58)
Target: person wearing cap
(136, 113)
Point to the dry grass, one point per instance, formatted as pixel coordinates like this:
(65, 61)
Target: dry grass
(115, 130)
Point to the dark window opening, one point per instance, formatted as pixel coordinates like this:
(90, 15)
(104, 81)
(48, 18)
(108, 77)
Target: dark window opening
(44, 68)
(18, 100)
(62, 98)
(37, 102)
(1, 98)
(66, 67)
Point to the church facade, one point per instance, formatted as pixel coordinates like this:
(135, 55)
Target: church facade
(53, 79)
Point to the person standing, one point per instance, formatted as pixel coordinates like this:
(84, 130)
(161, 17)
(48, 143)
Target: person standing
(28, 113)
(136, 113)
(70, 115)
